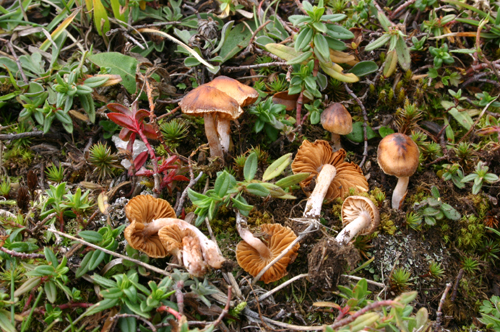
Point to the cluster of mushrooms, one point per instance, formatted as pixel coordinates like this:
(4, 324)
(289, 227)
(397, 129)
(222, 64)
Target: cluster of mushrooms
(155, 230)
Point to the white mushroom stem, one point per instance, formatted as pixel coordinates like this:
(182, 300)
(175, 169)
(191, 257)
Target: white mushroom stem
(254, 242)
(212, 137)
(323, 181)
(192, 257)
(354, 227)
(399, 193)
(224, 131)
(336, 142)
(208, 247)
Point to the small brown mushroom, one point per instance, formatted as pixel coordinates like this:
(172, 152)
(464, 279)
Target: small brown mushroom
(185, 245)
(253, 255)
(243, 94)
(398, 155)
(333, 175)
(359, 216)
(142, 234)
(209, 102)
(337, 120)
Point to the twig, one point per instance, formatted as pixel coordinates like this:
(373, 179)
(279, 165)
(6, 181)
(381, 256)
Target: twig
(400, 8)
(284, 252)
(283, 285)
(226, 308)
(112, 253)
(42, 222)
(441, 302)
(170, 311)
(38, 134)
(20, 254)
(379, 284)
(455, 287)
(18, 63)
(169, 113)
(148, 323)
(365, 122)
(477, 121)
(192, 182)
(260, 65)
(300, 6)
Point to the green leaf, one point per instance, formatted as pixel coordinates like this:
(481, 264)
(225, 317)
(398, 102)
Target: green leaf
(28, 285)
(357, 133)
(241, 206)
(379, 42)
(462, 117)
(321, 45)
(100, 306)
(303, 39)
(5, 323)
(277, 167)
(195, 197)
(292, 180)
(91, 236)
(50, 291)
(120, 64)
(191, 62)
(384, 131)
(226, 29)
(282, 51)
(251, 166)
(257, 189)
(301, 58)
(96, 259)
(364, 68)
(403, 53)
(50, 256)
(338, 32)
(222, 184)
(236, 41)
(384, 21)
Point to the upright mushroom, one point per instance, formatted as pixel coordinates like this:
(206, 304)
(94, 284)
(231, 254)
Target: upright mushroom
(398, 155)
(337, 120)
(253, 254)
(243, 94)
(333, 175)
(208, 102)
(142, 234)
(359, 216)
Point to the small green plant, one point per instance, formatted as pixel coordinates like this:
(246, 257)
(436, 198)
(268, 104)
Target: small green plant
(55, 174)
(227, 190)
(441, 56)
(470, 265)
(5, 187)
(103, 160)
(480, 176)
(489, 251)
(436, 270)
(314, 111)
(464, 150)
(271, 118)
(414, 220)
(174, 132)
(423, 4)
(490, 313)
(433, 208)
(400, 279)
(453, 173)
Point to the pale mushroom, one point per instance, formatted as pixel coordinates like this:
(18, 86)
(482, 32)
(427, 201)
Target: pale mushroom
(359, 216)
(398, 155)
(333, 175)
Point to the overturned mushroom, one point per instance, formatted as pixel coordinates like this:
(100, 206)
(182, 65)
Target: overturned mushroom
(333, 175)
(253, 254)
(398, 155)
(142, 234)
(243, 94)
(359, 216)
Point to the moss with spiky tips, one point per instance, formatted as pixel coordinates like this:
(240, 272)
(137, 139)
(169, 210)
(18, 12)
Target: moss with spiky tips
(400, 279)
(174, 132)
(55, 174)
(103, 160)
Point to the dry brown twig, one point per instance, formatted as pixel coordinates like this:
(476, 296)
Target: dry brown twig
(439, 313)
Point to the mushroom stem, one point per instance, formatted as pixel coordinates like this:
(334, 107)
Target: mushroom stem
(213, 139)
(399, 193)
(353, 228)
(323, 181)
(336, 142)
(254, 242)
(224, 131)
(153, 227)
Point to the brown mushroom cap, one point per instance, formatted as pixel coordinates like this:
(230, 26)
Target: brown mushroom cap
(336, 119)
(353, 206)
(141, 211)
(245, 95)
(310, 159)
(397, 155)
(280, 237)
(206, 99)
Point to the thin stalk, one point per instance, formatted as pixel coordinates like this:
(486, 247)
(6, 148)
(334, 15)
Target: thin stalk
(156, 175)
(12, 290)
(300, 102)
(31, 312)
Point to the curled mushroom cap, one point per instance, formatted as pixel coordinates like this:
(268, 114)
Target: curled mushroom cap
(278, 239)
(184, 244)
(311, 158)
(142, 234)
(337, 120)
(359, 217)
(244, 94)
(397, 155)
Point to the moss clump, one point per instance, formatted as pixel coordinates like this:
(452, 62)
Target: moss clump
(387, 224)
(258, 218)
(482, 205)
(470, 233)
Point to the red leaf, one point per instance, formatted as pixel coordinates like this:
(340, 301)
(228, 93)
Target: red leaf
(115, 107)
(140, 159)
(125, 134)
(180, 178)
(123, 121)
(144, 172)
(149, 131)
(141, 114)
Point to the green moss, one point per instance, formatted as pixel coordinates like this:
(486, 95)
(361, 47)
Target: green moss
(387, 224)
(470, 233)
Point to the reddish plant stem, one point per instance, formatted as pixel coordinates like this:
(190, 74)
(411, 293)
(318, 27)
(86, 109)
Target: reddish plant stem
(226, 308)
(179, 296)
(41, 310)
(361, 312)
(156, 175)
(300, 102)
(165, 308)
(20, 254)
(28, 301)
(316, 68)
